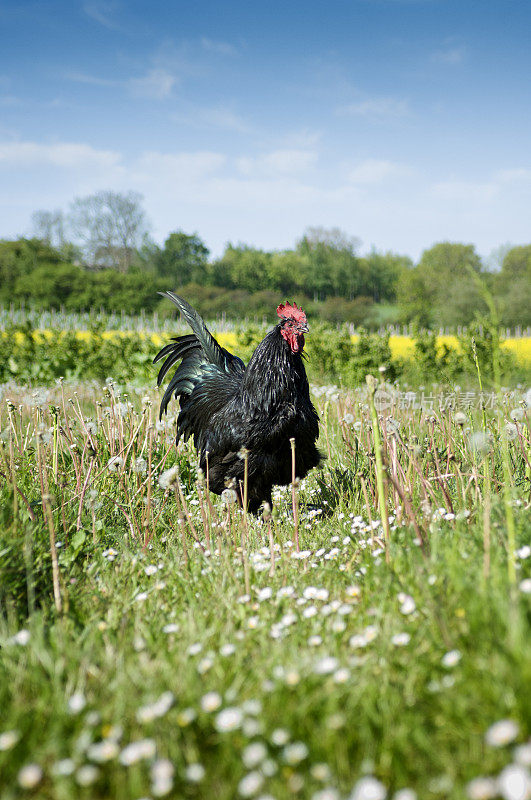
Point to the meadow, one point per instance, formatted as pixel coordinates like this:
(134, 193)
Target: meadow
(369, 639)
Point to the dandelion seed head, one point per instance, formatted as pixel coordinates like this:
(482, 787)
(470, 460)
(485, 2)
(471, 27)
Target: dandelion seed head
(195, 773)
(502, 733)
(368, 788)
(514, 783)
(30, 776)
(250, 784)
(8, 740)
(230, 719)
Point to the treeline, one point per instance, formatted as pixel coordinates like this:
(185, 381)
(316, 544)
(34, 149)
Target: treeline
(101, 256)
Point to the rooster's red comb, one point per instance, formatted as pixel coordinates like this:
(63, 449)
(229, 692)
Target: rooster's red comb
(288, 311)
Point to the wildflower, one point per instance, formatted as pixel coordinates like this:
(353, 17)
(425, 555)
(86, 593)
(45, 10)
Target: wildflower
(400, 639)
(211, 702)
(227, 649)
(22, 637)
(523, 552)
(525, 586)
(87, 775)
(320, 772)
(250, 784)
(30, 776)
(252, 706)
(91, 427)
(280, 737)
(407, 604)
(368, 788)
(481, 789)
(341, 675)
(140, 466)
(514, 783)
(162, 777)
(251, 727)
(517, 414)
(254, 754)
(292, 676)
(64, 767)
(138, 751)
(8, 740)
(229, 497)
(171, 627)
(405, 794)
(204, 665)
(76, 703)
(451, 659)
(157, 709)
(264, 594)
(185, 717)
(459, 418)
(501, 733)
(115, 463)
(230, 719)
(151, 569)
(295, 753)
(194, 772)
(522, 754)
(326, 794)
(325, 666)
(169, 478)
(511, 431)
(103, 751)
(479, 442)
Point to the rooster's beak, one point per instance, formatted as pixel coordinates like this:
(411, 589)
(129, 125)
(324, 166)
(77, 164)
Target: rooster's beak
(303, 328)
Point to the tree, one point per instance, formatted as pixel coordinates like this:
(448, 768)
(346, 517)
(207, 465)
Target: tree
(49, 227)
(517, 263)
(440, 290)
(242, 267)
(184, 259)
(334, 265)
(109, 226)
(381, 274)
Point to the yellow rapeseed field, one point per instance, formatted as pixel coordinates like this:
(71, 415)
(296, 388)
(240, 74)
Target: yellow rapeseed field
(401, 346)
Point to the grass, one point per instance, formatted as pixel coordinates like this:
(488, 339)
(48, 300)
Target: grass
(157, 642)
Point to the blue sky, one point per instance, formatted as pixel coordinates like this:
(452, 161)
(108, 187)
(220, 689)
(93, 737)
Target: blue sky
(403, 122)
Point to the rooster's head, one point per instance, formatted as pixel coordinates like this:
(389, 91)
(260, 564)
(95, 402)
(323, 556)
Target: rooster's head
(293, 325)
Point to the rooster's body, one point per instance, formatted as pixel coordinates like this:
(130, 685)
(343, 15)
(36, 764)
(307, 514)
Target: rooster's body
(229, 408)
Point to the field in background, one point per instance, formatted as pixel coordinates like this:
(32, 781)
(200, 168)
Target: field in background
(156, 642)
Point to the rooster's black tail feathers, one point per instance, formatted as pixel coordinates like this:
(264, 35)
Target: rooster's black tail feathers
(198, 352)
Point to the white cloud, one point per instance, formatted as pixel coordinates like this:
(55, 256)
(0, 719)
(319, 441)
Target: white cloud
(215, 117)
(219, 47)
(449, 55)
(102, 11)
(177, 168)
(465, 192)
(374, 171)
(60, 154)
(277, 162)
(517, 175)
(92, 80)
(376, 108)
(157, 84)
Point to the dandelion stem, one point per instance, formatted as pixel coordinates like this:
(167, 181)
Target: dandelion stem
(294, 496)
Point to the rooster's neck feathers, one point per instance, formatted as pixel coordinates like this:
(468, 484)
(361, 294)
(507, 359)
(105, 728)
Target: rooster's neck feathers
(275, 373)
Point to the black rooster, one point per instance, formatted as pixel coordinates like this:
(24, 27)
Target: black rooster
(228, 407)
